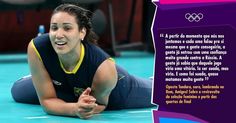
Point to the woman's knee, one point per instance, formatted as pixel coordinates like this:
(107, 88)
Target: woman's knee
(23, 91)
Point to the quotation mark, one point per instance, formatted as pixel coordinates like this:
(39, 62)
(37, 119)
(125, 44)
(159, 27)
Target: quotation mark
(194, 17)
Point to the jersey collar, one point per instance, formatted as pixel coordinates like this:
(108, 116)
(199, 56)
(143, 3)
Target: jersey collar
(82, 53)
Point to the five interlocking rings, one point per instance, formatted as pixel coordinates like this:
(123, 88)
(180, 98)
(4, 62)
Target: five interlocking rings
(194, 17)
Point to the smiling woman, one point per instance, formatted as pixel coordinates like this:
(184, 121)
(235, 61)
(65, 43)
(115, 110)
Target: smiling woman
(74, 77)
(23, 2)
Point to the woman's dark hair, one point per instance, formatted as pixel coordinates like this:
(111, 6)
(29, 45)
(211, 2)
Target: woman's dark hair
(83, 18)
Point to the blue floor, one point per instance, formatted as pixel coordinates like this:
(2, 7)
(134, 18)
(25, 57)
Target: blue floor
(15, 66)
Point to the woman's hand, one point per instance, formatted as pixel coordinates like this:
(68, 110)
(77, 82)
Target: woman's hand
(85, 105)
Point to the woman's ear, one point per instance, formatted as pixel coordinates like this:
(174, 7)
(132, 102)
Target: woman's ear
(83, 33)
(84, 30)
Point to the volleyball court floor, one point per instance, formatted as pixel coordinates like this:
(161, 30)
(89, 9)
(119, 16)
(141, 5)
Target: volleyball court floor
(14, 66)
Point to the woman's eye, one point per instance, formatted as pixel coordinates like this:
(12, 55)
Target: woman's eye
(67, 28)
(53, 28)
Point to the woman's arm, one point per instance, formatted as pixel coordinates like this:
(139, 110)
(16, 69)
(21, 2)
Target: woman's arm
(46, 91)
(44, 87)
(104, 81)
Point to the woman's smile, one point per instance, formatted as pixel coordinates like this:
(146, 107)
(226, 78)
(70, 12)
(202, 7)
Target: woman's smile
(60, 45)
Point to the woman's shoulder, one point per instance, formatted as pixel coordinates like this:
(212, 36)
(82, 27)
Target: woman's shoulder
(42, 42)
(95, 50)
(42, 37)
(106, 74)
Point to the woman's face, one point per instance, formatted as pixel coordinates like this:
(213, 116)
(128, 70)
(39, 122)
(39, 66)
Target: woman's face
(64, 33)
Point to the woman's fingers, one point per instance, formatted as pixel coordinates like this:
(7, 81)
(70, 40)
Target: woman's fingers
(88, 106)
(87, 91)
(87, 99)
(85, 115)
(86, 111)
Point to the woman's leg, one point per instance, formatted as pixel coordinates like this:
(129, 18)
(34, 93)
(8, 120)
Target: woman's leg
(130, 92)
(140, 94)
(23, 91)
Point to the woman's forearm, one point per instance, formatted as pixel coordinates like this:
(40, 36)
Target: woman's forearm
(57, 106)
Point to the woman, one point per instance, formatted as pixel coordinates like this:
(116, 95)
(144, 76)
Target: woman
(74, 77)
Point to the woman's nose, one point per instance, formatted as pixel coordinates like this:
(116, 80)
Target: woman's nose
(59, 34)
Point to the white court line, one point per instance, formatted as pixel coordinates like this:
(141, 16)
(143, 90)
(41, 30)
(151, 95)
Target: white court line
(38, 117)
(138, 111)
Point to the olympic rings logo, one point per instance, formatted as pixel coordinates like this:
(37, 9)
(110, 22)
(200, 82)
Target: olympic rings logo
(194, 17)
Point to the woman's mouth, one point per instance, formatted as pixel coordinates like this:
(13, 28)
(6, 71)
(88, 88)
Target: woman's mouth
(60, 44)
